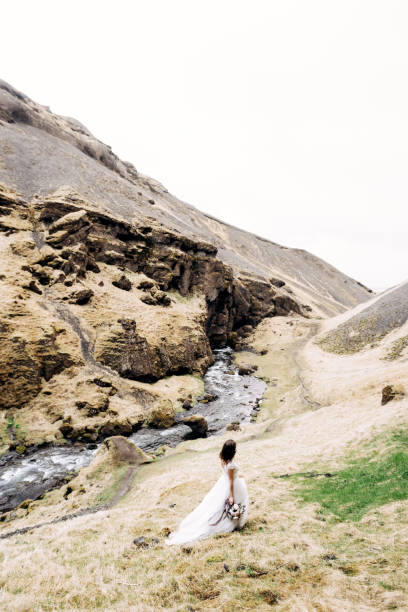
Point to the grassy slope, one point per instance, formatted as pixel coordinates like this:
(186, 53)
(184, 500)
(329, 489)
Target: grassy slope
(291, 555)
(366, 483)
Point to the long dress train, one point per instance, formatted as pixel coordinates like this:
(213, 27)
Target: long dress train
(198, 524)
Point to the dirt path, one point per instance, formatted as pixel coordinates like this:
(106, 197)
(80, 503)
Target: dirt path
(314, 328)
(124, 488)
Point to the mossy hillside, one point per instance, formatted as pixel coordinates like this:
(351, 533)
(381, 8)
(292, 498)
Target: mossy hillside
(348, 339)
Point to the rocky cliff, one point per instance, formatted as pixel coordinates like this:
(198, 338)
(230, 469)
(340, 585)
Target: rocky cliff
(110, 285)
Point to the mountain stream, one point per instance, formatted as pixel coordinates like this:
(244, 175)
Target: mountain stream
(233, 398)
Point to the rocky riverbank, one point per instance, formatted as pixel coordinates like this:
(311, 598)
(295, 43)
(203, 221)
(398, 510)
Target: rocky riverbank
(230, 398)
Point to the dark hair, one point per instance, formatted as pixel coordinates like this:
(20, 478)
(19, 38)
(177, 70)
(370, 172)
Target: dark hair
(228, 450)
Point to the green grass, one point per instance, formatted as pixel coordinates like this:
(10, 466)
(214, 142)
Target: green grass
(366, 483)
(110, 491)
(12, 432)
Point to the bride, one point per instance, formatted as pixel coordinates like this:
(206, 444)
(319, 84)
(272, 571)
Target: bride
(211, 516)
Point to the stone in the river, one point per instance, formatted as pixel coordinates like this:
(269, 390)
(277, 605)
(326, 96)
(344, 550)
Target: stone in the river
(198, 424)
(162, 415)
(208, 397)
(233, 427)
(246, 370)
(161, 450)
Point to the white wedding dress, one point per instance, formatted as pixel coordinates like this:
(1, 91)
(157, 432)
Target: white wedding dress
(199, 523)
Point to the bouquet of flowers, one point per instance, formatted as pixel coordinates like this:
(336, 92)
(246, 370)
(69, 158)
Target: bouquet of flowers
(231, 511)
(235, 511)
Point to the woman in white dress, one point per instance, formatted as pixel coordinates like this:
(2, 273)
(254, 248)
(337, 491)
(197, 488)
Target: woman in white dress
(209, 517)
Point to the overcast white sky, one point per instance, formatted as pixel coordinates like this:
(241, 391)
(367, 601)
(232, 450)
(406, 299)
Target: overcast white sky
(286, 118)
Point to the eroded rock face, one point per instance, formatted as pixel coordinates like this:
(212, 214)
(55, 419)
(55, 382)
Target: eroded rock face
(72, 244)
(150, 305)
(31, 352)
(129, 353)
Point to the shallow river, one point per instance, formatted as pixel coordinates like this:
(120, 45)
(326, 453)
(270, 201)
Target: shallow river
(28, 476)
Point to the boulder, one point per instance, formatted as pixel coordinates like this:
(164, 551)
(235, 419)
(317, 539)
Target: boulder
(155, 297)
(246, 370)
(208, 397)
(123, 450)
(162, 415)
(277, 282)
(69, 228)
(391, 392)
(198, 425)
(80, 296)
(32, 286)
(122, 282)
(146, 284)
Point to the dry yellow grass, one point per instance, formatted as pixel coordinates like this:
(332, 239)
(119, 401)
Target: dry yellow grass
(286, 558)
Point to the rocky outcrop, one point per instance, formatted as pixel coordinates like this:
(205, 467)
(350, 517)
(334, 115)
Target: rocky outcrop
(30, 353)
(162, 415)
(122, 450)
(128, 352)
(198, 425)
